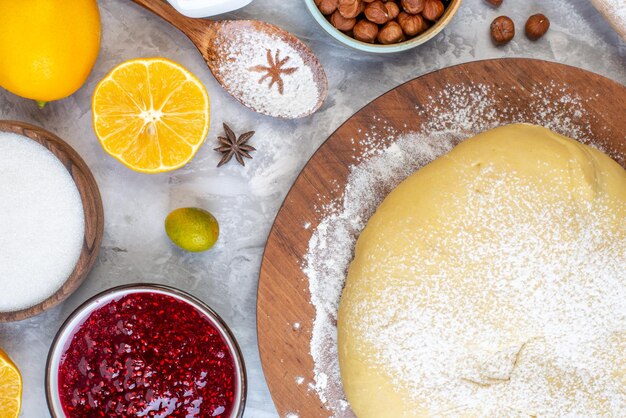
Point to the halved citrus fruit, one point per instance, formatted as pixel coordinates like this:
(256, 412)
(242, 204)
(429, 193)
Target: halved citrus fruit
(10, 388)
(151, 114)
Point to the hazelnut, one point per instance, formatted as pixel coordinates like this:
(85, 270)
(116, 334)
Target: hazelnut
(433, 9)
(413, 6)
(392, 9)
(365, 31)
(536, 26)
(502, 30)
(350, 8)
(327, 7)
(390, 33)
(412, 25)
(494, 3)
(377, 12)
(342, 23)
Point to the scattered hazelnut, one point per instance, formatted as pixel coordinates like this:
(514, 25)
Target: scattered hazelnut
(412, 25)
(494, 3)
(413, 6)
(350, 8)
(433, 9)
(365, 31)
(536, 26)
(377, 12)
(327, 7)
(390, 33)
(342, 23)
(392, 9)
(502, 30)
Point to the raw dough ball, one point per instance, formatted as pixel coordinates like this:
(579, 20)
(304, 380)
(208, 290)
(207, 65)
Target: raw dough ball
(491, 283)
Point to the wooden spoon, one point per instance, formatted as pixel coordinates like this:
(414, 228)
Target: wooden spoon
(616, 16)
(263, 66)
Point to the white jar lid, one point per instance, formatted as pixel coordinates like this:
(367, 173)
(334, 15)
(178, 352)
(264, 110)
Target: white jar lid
(205, 8)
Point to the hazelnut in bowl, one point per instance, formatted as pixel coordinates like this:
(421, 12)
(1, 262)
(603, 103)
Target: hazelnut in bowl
(383, 26)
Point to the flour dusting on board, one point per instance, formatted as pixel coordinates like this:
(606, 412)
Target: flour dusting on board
(455, 114)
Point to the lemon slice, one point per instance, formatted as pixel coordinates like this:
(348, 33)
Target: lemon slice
(151, 114)
(10, 388)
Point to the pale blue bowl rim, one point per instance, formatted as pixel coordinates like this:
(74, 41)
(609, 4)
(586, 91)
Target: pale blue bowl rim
(377, 48)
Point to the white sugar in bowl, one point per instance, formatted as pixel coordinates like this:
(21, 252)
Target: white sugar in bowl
(206, 8)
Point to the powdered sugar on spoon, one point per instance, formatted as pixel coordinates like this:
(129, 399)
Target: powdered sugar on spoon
(263, 66)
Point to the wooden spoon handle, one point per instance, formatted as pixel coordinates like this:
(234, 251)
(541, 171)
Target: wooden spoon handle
(610, 12)
(195, 29)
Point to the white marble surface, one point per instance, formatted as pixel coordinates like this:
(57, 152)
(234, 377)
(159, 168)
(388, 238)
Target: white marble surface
(245, 200)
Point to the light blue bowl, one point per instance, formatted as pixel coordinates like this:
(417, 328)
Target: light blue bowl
(383, 49)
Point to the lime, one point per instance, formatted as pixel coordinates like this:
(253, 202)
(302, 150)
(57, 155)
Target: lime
(192, 229)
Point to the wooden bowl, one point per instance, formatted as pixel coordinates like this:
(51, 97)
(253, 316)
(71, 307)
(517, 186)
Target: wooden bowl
(347, 40)
(92, 207)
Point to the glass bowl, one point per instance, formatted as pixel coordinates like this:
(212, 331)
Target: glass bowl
(80, 314)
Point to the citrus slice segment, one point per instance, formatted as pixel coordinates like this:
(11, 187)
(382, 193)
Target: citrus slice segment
(10, 388)
(151, 114)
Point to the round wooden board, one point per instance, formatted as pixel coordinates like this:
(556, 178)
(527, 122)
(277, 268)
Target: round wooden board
(283, 295)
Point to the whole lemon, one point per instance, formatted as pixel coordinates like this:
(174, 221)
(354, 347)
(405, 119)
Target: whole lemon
(47, 47)
(192, 229)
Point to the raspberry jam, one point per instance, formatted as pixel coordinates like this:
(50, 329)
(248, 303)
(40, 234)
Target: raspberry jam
(147, 354)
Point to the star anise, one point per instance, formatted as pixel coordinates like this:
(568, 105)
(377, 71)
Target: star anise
(274, 70)
(231, 146)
